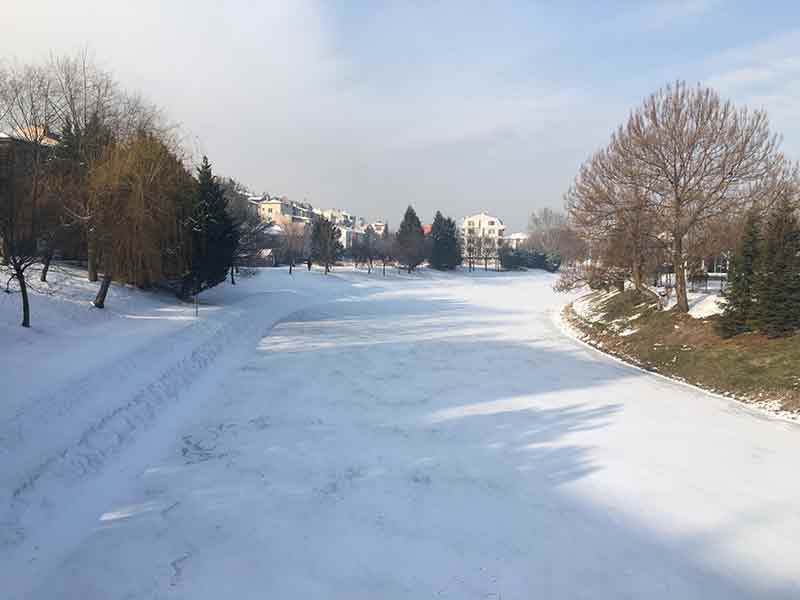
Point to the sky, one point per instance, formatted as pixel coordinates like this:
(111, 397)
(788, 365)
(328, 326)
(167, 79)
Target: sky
(454, 106)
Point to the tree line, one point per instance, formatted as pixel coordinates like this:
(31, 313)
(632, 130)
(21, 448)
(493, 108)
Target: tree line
(550, 241)
(763, 293)
(409, 247)
(93, 172)
(675, 186)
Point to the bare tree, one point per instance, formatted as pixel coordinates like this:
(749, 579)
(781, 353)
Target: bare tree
(487, 248)
(28, 110)
(616, 220)
(550, 231)
(294, 242)
(697, 158)
(473, 246)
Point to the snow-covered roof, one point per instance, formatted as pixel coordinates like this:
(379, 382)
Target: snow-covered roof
(483, 215)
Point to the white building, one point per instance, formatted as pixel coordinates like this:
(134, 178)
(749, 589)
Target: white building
(485, 226)
(281, 210)
(515, 241)
(379, 227)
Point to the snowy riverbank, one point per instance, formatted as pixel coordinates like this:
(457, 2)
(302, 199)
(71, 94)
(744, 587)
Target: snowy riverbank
(433, 435)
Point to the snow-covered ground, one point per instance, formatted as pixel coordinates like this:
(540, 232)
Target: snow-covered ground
(701, 304)
(355, 437)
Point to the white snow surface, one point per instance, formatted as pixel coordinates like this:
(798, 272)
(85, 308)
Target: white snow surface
(701, 304)
(355, 437)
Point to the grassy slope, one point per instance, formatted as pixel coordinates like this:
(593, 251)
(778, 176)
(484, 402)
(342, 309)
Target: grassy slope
(750, 367)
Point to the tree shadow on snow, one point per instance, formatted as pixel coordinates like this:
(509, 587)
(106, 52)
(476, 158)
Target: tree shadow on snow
(411, 447)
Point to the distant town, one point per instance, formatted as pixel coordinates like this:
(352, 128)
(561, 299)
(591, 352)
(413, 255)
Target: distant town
(280, 211)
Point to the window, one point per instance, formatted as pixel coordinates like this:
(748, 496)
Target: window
(470, 223)
(491, 223)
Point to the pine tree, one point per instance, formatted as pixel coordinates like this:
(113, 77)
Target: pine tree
(445, 247)
(386, 247)
(740, 311)
(410, 241)
(778, 288)
(214, 235)
(439, 250)
(325, 245)
(452, 243)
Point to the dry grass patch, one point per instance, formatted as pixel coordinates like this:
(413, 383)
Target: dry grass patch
(750, 367)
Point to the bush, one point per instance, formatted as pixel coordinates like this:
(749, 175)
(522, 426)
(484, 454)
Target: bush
(515, 260)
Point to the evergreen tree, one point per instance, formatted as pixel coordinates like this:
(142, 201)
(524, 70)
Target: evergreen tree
(438, 256)
(445, 248)
(778, 288)
(325, 245)
(214, 235)
(740, 311)
(410, 246)
(452, 243)
(68, 145)
(386, 247)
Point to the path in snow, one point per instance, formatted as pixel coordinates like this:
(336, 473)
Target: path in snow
(438, 438)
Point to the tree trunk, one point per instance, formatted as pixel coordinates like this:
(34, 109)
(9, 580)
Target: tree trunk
(636, 269)
(680, 276)
(233, 280)
(23, 289)
(91, 258)
(46, 267)
(100, 299)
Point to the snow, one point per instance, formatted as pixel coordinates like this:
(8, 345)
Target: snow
(701, 304)
(586, 305)
(350, 436)
(706, 305)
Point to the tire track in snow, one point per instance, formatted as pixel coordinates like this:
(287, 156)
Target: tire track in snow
(114, 425)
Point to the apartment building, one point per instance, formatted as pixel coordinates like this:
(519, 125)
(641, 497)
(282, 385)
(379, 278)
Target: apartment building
(281, 210)
(483, 225)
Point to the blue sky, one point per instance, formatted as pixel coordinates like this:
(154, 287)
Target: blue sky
(459, 106)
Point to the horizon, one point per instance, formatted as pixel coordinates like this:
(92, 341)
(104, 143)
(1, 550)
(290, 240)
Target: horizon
(445, 107)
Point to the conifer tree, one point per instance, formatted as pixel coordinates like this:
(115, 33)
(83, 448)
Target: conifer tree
(445, 249)
(410, 241)
(386, 247)
(214, 236)
(778, 288)
(439, 243)
(740, 311)
(325, 245)
(452, 243)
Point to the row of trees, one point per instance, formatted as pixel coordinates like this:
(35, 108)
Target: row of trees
(673, 186)
(764, 280)
(409, 246)
(445, 249)
(92, 172)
